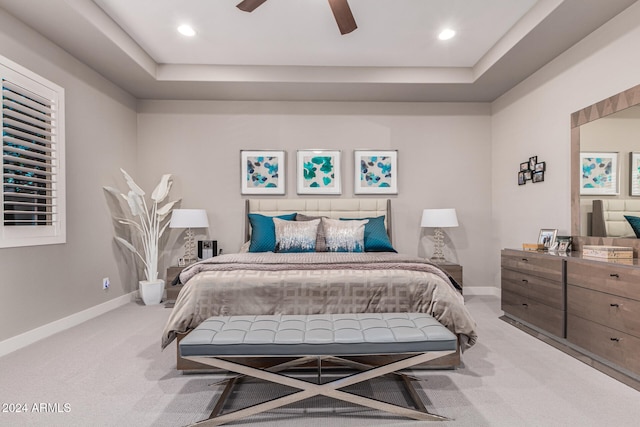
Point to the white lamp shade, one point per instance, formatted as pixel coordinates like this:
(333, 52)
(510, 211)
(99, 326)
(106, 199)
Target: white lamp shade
(189, 218)
(439, 218)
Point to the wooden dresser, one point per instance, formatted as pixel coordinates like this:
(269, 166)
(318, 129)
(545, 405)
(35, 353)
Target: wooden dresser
(533, 289)
(589, 308)
(603, 310)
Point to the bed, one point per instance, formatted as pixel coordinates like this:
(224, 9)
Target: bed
(608, 217)
(277, 281)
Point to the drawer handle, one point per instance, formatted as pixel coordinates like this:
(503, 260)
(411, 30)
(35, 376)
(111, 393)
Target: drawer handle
(525, 304)
(615, 339)
(525, 260)
(616, 275)
(525, 281)
(615, 305)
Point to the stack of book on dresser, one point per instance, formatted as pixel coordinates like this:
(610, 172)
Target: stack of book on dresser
(621, 254)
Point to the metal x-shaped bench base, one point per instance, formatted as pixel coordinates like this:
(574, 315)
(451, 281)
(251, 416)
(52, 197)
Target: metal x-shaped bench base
(330, 389)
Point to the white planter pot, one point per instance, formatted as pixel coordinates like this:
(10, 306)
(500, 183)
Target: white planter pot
(151, 292)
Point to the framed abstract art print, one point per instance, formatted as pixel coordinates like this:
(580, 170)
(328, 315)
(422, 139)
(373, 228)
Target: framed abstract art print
(262, 171)
(318, 172)
(376, 172)
(599, 173)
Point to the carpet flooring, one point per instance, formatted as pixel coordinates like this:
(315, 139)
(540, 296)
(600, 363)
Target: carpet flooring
(110, 371)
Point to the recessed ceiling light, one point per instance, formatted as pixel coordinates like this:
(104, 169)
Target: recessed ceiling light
(186, 30)
(446, 34)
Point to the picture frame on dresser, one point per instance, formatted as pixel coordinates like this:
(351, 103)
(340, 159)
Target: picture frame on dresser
(263, 172)
(375, 172)
(547, 237)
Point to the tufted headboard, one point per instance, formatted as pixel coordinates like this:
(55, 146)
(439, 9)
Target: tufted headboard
(608, 217)
(332, 208)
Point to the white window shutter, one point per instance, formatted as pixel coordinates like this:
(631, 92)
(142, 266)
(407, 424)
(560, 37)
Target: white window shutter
(32, 204)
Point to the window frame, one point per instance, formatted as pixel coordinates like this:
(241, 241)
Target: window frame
(12, 236)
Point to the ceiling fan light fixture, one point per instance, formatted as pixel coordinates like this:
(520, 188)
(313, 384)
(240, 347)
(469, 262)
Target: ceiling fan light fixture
(186, 30)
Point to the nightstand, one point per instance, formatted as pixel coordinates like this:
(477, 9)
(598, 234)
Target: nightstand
(455, 270)
(172, 291)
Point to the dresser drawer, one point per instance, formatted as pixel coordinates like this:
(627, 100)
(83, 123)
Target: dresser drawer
(531, 311)
(615, 346)
(543, 290)
(612, 311)
(514, 304)
(605, 277)
(539, 265)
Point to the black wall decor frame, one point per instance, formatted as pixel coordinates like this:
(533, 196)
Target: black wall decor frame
(531, 170)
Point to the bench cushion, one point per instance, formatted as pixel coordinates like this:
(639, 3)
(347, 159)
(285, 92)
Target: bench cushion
(316, 335)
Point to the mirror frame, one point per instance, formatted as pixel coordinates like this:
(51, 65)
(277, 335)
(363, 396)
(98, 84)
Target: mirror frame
(613, 104)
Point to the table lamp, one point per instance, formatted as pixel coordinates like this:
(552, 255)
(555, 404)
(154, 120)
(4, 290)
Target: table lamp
(439, 219)
(189, 218)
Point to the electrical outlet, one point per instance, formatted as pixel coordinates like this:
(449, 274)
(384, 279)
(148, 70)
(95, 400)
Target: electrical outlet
(105, 283)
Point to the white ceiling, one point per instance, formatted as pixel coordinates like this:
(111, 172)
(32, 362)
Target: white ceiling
(292, 49)
(303, 32)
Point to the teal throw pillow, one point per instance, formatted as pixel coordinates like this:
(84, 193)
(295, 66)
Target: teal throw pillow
(376, 238)
(263, 232)
(634, 221)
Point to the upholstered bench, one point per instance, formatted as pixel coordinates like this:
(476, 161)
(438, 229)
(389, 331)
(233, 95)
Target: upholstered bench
(333, 337)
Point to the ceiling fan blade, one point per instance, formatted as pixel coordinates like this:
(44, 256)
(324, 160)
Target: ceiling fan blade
(249, 5)
(344, 17)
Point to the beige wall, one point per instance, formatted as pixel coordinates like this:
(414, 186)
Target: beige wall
(534, 119)
(450, 155)
(443, 158)
(42, 284)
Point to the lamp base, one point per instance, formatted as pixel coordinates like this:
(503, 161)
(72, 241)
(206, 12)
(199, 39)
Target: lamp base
(189, 250)
(438, 245)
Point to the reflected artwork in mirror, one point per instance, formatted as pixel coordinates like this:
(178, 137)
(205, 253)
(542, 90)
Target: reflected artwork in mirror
(611, 125)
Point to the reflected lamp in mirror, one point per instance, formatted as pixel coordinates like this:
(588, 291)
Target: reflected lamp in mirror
(439, 219)
(189, 219)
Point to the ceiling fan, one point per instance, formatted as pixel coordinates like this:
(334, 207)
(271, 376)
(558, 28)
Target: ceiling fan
(340, 8)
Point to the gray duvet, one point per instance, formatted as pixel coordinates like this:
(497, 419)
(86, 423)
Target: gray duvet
(319, 282)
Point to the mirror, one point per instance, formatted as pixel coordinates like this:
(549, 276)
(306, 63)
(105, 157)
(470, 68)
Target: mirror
(588, 127)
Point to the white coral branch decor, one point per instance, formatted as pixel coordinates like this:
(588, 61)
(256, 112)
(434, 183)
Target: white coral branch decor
(149, 223)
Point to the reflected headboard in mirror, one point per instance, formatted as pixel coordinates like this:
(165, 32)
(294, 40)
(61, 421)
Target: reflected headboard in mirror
(604, 108)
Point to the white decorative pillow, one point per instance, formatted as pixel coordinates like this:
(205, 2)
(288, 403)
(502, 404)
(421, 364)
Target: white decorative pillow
(296, 236)
(344, 236)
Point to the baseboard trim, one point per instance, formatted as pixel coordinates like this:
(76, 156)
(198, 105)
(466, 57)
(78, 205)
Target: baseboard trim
(19, 341)
(481, 290)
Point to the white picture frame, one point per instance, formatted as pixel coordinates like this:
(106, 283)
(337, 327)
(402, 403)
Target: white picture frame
(319, 172)
(634, 174)
(547, 237)
(263, 172)
(375, 172)
(599, 173)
